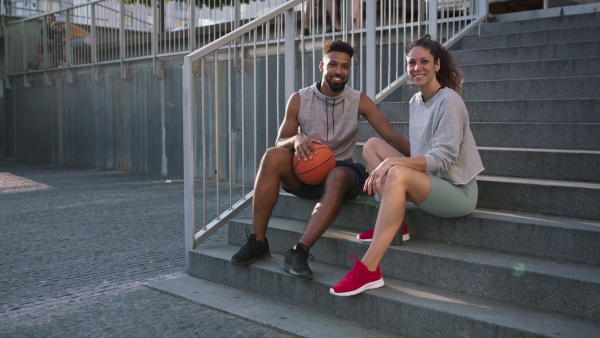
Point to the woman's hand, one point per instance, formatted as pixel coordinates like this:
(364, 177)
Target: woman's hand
(377, 176)
(303, 145)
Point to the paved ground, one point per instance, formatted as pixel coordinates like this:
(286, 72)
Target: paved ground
(77, 247)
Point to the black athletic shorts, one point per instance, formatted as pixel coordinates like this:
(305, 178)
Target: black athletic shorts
(316, 191)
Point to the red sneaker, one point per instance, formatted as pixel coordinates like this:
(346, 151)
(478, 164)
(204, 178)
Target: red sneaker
(367, 237)
(359, 279)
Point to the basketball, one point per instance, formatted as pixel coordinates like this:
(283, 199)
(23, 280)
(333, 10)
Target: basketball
(315, 171)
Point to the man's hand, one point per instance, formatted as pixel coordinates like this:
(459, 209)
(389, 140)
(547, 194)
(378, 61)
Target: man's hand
(303, 145)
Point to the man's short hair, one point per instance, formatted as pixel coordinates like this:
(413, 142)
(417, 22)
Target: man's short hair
(338, 46)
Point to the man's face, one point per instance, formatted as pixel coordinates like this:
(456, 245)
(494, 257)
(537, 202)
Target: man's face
(336, 69)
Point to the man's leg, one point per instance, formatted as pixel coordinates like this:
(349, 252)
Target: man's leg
(338, 184)
(275, 169)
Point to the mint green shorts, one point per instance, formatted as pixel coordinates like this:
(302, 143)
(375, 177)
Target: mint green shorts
(448, 200)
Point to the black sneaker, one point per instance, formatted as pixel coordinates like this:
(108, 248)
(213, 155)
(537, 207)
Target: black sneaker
(306, 32)
(252, 251)
(295, 261)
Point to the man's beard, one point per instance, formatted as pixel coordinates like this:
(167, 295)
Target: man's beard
(335, 87)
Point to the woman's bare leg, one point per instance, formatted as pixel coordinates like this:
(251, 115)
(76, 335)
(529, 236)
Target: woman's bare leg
(402, 183)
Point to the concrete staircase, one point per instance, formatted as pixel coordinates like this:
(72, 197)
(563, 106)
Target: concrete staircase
(527, 262)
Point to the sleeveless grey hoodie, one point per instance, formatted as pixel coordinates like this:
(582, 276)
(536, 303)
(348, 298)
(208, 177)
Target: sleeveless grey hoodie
(331, 119)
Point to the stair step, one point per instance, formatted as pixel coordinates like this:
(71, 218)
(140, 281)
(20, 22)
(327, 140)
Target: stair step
(528, 53)
(578, 136)
(553, 111)
(414, 305)
(526, 89)
(570, 165)
(481, 270)
(549, 36)
(532, 69)
(544, 236)
(551, 197)
(298, 320)
(536, 25)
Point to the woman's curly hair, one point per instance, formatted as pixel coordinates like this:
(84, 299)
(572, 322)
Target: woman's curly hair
(449, 75)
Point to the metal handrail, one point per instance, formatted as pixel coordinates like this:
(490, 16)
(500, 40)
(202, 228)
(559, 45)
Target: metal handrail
(453, 27)
(189, 107)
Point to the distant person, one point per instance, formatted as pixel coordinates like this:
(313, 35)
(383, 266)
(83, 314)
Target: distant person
(327, 113)
(78, 37)
(332, 10)
(53, 43)
(439, 177)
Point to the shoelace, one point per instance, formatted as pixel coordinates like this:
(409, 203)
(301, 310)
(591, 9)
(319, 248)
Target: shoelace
(302, 256)
(249, 244)
(354, 272)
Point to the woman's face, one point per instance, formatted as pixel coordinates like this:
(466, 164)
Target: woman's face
(421, 67)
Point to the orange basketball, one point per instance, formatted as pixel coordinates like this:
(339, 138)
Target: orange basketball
(315, 171)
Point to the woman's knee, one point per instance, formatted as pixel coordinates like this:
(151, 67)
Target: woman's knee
(399, 175)
(372, 145)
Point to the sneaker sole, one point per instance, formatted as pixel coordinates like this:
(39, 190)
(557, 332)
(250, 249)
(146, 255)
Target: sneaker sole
(369, 286)
(250, 261)
(288, 268)
(404, 238)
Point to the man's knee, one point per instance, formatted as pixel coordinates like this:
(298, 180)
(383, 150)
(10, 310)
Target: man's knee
(277, 156)
(340, 180)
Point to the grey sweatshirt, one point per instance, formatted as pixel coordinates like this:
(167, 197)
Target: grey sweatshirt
(332, 120)
(439, 130)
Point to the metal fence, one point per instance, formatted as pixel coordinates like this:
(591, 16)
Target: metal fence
(235, 89)
(108, 31)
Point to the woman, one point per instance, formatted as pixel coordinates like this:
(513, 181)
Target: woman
(439, 175)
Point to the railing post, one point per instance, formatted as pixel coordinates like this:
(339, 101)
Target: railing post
(94, 36)
(122, 39)
(290, 53)
(155, 46)
(68, 38)
(189, 107)
(192, 26)
(432, 19)
(483, 7)
(371, 24)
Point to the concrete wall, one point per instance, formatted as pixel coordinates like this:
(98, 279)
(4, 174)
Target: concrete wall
(136, 124)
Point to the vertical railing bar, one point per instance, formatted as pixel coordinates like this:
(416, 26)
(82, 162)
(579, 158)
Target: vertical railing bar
(370, 40)
(302, 48)
(278, 21)
(267, 86)
(217, 128)
(389, 44)
(243, 111)
(290, 56)
(230, 125)
(313, 30)
(122, 37)
(191, 26)
(45, 52)
(68, 38)
(189, 105)
(255, 110)
(204, 163)
(94, 39)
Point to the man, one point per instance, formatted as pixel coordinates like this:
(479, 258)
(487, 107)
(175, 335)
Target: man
(326, 112)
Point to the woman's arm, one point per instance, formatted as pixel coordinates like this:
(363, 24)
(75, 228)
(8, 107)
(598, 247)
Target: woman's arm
(378, 175)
